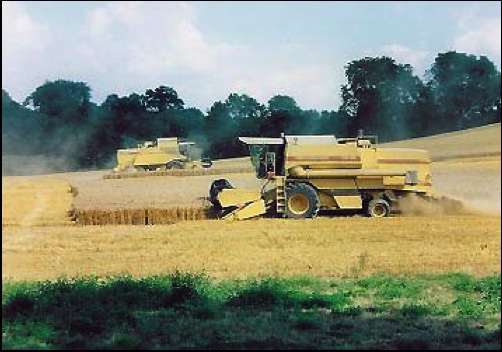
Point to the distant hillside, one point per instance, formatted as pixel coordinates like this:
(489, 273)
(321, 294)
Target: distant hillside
(474, 142)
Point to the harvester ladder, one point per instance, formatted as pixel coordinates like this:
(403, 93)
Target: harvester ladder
(280, 189)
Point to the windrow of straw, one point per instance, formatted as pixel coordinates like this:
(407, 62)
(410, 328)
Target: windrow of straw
(145, 216)
(182, 172)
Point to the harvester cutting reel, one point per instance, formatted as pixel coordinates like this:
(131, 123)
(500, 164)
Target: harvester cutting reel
(238, 204)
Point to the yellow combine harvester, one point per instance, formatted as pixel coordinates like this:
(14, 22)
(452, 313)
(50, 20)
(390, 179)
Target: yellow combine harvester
(162, 154)
(306, 174)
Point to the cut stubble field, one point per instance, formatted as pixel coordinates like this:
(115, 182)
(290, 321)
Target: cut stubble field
(326, 246)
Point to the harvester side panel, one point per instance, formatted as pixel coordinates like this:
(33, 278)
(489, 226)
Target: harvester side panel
(349, 202)
(334, 183)
(415, 162)
(125, 158)
(323, 156)
(154, 158)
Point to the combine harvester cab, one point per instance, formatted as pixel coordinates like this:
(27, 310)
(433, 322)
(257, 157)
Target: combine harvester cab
(306, 174)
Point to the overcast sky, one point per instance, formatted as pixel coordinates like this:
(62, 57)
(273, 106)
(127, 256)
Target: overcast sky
(207, 50)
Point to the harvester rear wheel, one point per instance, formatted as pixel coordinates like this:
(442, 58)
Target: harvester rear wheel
(378, 208)
(302, 201)
(174, 165)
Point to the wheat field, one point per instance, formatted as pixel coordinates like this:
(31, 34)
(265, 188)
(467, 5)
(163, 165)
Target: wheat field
(36, 203)
(331, 246)
(328, 247)
(475, 142)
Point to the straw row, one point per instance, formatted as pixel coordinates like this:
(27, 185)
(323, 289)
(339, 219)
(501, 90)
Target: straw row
(182, 172)
(150, 216)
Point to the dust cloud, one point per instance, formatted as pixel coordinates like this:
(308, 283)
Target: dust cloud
(434, 206)
(477, 184)
(460, 188)
(25, 165)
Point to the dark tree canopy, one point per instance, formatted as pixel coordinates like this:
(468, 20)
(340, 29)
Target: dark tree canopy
(381, 97)
(161, 99)
(465, 89)
(63, 100)
(238, 115)
(283, 103)
(21, 128)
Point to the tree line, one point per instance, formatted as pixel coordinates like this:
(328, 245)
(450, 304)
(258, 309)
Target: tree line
(381, 96)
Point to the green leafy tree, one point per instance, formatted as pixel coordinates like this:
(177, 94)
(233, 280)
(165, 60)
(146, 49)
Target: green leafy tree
(21, 128)
(127, 115)
(119, 122)
(161, 99)
(64, 102)
(465, 90)
(191, 122)
(283, 112)
(286, 116)
(245, 113)
(380, 97)
(333, 122)
(64, 108)
(238, 115)
(283, 103)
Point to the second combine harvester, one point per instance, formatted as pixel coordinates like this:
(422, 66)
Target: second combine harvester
(306, 174)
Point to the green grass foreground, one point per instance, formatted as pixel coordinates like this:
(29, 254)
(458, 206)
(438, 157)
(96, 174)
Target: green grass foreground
(186, 311)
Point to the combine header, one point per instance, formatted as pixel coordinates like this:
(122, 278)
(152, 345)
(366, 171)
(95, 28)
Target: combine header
(306, 174)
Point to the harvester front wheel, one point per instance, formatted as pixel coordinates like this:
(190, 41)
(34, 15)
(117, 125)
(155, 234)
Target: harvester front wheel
(302, 201)
(378, 208)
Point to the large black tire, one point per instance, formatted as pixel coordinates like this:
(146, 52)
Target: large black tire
(175, 164)
(302, 201)
(149, 167)
(206, 163)
(378, 208)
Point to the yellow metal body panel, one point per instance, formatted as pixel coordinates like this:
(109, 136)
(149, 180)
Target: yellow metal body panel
(369, 158)
(237, 197)
(250, 210)
(347, 166)
(349, 202)
(168, 143)
(394, 180)
(408, 159)
(334, 183)
(125, 158)
(154, 157)
(323, 156)
(327, 201)
(370, 182)
(150, 154)
(302, 172)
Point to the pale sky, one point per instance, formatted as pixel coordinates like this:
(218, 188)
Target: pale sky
(207, 50)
